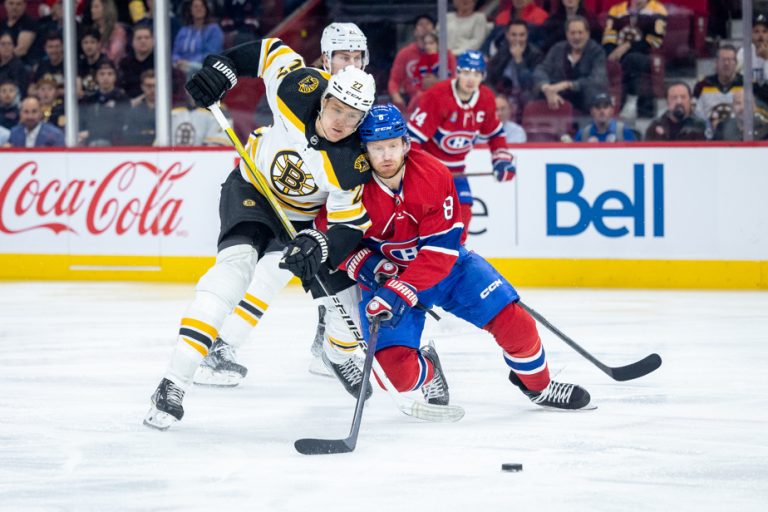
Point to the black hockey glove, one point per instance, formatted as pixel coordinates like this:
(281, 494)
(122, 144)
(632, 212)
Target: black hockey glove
(304, 254)
(216, 77)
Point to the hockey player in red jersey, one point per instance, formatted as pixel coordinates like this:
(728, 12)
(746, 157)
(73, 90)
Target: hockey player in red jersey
(412, 201)
(455, 114)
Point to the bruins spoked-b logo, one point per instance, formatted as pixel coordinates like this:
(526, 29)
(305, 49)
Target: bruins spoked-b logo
(308, 84)
(361, 164)
(289, 176)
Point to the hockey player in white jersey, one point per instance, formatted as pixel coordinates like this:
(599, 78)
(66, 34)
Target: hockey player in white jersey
(311, 157)
(341, 45)
(193, 126)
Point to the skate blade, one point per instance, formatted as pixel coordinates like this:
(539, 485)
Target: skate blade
(158, 419)
(205, 376)
(317, 367)
(588, 407)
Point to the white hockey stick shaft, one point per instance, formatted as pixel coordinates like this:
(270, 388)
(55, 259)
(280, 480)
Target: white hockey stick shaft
(405, 404)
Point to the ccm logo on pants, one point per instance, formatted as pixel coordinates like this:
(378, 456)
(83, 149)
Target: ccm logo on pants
(485, 293)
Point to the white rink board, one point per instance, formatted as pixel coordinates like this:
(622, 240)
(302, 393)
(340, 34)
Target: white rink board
(704, 203)
(713, 204)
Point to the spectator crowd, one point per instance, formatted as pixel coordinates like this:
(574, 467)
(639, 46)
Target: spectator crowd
(561, 70)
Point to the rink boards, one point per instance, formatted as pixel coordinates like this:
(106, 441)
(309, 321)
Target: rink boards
(629, 216)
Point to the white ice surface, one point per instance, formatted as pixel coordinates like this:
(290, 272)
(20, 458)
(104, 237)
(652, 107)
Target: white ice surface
(79, 361)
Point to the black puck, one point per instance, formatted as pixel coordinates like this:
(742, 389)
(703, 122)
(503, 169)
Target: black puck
(511, 467)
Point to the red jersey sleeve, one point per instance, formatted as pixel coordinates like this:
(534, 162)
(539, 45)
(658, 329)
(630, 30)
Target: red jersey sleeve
(424, 121)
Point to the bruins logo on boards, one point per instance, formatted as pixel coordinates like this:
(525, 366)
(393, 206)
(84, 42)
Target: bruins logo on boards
(249, 203)
(289, 176)
(308, 84)
(361, 164)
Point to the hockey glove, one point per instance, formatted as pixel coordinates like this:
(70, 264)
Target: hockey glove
(216, 77)
(503, 165)
(391, 302)
(305, 253)
(369, 268)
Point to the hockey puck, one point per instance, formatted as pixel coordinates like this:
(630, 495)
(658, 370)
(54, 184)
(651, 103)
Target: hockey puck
(511, 467)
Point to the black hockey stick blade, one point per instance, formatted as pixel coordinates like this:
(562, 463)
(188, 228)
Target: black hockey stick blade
(324, 446)
(308, 446)
(636, 369)
(622, 373)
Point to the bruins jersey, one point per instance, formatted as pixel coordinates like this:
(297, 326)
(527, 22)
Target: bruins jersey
(644, 29)
(304, 170)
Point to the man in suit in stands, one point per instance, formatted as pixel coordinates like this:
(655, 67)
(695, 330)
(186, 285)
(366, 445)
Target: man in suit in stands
(32, 132)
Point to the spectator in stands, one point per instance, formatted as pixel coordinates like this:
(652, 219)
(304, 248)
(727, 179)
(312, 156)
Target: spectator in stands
(678, 122)
(732, 128)
(102, 112)
(242, 18)
(506, 111)
(759, 58)
(466, 27)
(717, 89)
(52, 63)
(403, 80)
(553, 30)
(47, 93)
(114, 37)
(89, 61)
(510, 71)
(632, 31)
(143, 58)
(604, 128)
(573, 70)
(11, 66)
(428, 67)
(192, 126)
(516, 10)
(198, 38)
(9, 108)
(139, 127)
(19, 25)
(32, 131)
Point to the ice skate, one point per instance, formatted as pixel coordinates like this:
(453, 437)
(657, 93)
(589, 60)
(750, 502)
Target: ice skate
(558, 395)
(350, 376)
(317, 366)
(166, 406)
(435, 391)
(219, 368)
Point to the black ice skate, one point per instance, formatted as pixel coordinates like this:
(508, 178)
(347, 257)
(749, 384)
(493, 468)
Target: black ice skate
(166, 406)
(350, 376)
(558, 395)
(220, 368)
(436, 391)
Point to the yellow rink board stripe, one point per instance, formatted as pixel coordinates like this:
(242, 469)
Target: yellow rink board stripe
(597, 273)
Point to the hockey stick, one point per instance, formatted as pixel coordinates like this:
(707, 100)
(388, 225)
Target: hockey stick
(408, 406)
(470, 174)
(309, 446)
(620, 373)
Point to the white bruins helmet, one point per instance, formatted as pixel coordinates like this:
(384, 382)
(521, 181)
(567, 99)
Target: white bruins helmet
(343, 36)
(354, 87)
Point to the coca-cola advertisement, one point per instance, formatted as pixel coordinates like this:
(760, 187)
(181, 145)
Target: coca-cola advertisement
(111, 203)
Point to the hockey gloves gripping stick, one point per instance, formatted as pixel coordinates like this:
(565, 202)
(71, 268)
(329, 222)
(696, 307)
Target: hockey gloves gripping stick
(369, 269)
(216, 77)
(304, 254)
(503, 165)
(390, 302)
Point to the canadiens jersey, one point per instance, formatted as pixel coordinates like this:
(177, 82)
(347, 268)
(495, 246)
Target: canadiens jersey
(304, 170)
(418, 227)
(449, 129)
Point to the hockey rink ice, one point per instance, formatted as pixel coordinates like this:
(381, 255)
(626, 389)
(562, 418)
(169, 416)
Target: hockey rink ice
(80, 360)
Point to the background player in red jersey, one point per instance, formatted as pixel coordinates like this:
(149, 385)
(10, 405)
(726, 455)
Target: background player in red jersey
(452, 116)
(412, 201)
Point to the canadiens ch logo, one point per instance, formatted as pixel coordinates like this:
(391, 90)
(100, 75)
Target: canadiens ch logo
(361, 164)
(308, 84)
(289, 176)
(249, 203)
(401, 252)
(456, 143)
